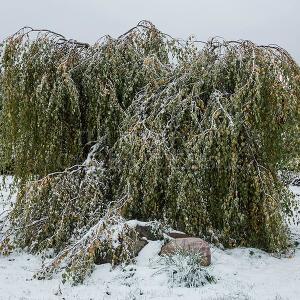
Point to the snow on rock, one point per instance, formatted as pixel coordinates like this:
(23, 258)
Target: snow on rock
(241, 273)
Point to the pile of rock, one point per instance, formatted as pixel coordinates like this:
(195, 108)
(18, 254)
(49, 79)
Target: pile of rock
(175, 240)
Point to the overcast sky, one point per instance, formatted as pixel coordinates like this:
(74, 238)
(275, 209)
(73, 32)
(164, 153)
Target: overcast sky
(263, 21)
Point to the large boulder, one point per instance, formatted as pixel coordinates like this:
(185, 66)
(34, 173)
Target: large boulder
(191, 244)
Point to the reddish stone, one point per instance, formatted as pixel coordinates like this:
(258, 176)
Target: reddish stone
(191, 244)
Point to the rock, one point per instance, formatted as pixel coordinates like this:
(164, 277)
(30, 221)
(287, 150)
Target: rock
(106, 256)
(150, 230)
(191, 244)
(177, 234)
(145, 231)
(139, 245)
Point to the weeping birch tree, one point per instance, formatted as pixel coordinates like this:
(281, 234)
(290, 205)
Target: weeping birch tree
(146, 127)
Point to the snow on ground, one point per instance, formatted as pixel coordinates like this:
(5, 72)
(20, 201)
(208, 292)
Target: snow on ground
(241, 273)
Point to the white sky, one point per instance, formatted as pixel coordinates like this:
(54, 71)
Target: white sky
(263, 21)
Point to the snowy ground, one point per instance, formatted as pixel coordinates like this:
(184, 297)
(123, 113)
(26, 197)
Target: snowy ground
(242, 273)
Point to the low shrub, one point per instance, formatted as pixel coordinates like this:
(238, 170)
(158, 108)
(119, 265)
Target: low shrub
(184, 269)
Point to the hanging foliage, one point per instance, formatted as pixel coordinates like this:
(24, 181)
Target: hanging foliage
(59, 96)
(203, 150)
(59, 208)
